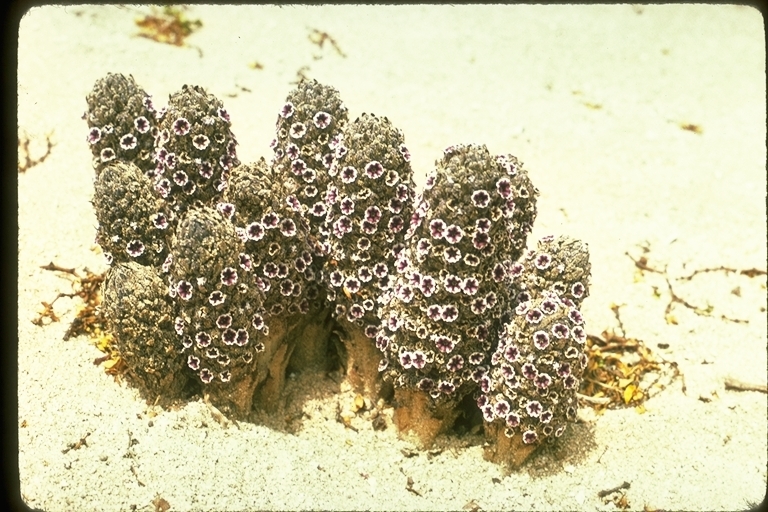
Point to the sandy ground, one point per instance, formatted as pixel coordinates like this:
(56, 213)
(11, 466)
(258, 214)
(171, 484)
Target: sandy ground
(594, 100)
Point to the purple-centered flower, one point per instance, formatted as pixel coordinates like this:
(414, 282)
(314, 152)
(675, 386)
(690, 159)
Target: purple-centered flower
(446, 387)
(404, 151)
(229, 337)
(434, 312)
(224, 321)
(501, 409)
(481, 198)
(228, 276)
(107, 154)
(184, 290)
(318, 209)
(425, 384)
(288, 227)
(427, 285)
(504, 187)
(135, 248)
(205, 170)
(511, 353)
(245, 262)
(286, 287)
(542, 261)
(542, 381)
(498, 273)
(540, 340)
(470, 286)
(193, 362)
(128, 141)
(396, 224)
(200, 141)
(181, 126)
(395, 205)
(322, 120)
(549, 307)
(298, 166)
(569, 381)
(206, 375)
(444, 344)
(374, 169)
(287, 110)
(94, 135)
(575, 316)
(216, 298)
(226, 209)
(455, 363)
(242, 338)
(452, 283)
(513, 420)
(533, 408)
(347, 205)
(180, 178)
(270, 220)
(534, 316)
(356, 311)
(298, 130)
(579, 334)
(529, 371)
(352, 284)
(348, 174)
(530, 436)
(560, 331)
(480, 240)
(451, 254)
(223, 114)
(202, 339)
(437, 228)
(453, 234)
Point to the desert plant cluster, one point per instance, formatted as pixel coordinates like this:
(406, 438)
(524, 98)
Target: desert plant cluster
(223, 275)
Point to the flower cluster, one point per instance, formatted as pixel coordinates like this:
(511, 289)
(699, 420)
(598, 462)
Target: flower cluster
(195, 149)
(206, 253)
(121, 122)
(440, 325)
(369, 202)
(277, 251)
(133, 223)
(307, 144)
(139, 312)
(217, 321)
(536, 369)
(559, 265)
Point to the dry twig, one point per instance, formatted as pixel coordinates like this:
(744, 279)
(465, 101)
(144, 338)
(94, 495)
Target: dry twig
(26, 161)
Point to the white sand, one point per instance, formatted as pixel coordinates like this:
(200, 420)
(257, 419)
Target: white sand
(515, 78)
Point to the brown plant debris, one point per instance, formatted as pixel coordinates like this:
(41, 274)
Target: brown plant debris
(160, 504)
(739, 385)
(169, 25)
(319, 38)
(690, 127)
(89, 320)
(615, 369)
(642, 264)
(79, 444)
(616, 496)
(26, 161)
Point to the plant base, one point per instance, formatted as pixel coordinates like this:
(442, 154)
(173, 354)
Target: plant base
(508, 451)
(418, 419)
